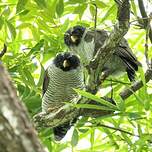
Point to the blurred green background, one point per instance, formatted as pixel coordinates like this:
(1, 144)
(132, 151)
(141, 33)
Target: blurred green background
(33, 31)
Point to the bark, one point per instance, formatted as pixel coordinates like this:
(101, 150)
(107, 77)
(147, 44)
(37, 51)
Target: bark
(146, 21)
(3, 51)
(16, 131)
(136, 86)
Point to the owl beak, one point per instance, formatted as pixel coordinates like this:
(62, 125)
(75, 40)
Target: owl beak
(74, 38)
(65, 64)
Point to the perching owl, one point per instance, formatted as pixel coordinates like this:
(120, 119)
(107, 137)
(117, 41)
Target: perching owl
(86, 42)
(63, 74)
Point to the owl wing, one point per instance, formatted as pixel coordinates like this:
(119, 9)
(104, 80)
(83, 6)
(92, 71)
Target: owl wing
(130, 61)
(99, 37)
(45, 82)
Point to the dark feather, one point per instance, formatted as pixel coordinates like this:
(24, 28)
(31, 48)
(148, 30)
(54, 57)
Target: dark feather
(130, 61)
(45, 82)
(73, 61)
(60, 131)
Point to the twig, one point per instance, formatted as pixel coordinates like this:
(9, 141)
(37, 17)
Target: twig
(3, 51)
(136, 86)
(95, 17)
(116, 129)
(143, 18)
(146, 47)
(117, 81)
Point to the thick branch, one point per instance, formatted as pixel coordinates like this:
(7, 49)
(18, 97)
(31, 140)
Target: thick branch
(16, 131)
(103, 54)
(136, 86)
(145, 20)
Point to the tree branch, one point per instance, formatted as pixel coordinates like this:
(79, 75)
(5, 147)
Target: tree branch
(116, 129)
(136, 86)
(3, 51)
(145, 16)
(16, 131)
(95, 16)
(103, 54)
(148, 75)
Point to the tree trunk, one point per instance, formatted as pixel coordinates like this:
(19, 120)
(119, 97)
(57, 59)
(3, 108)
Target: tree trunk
(17, 133)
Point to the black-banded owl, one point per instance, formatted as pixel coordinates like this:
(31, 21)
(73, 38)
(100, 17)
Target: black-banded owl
(63, 74)
(86, 42)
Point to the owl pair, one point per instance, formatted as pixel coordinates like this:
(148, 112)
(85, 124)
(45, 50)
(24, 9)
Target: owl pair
(66, 69)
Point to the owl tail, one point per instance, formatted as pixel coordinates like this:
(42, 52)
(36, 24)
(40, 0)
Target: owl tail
(60, 131)
(130, 61)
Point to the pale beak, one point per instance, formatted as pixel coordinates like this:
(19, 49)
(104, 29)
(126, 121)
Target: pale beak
(74, 38)
(65, 64)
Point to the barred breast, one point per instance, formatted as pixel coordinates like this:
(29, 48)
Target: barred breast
(61, 84)
(85, 49)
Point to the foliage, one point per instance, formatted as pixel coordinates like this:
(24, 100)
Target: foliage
(33, 31)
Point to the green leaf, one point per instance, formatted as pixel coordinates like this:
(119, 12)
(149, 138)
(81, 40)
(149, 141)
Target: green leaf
(144, 89)
(133, 5)
(41, 3)
(82, 121)
(83, 130)
(80, 10)
(60, 7)
(51, 9)
(24, 12)
(21, 5)
(36, 48)
(110, 11)
(95, 98)
(100, 4)
(35, 33)
(24, 92)
(45, 136)
(111, 136)
(41, 78)
(29, 77)
(92, 106)
(92, 10)
(92, 139)
(33, 103)
(1, 22)
(139, 130)
(6, 11)
(11, 29)
(134, 115)
(75, 138)
(127, 139)
(76, 1)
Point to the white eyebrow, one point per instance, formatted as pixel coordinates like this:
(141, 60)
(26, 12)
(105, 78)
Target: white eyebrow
(67, 34)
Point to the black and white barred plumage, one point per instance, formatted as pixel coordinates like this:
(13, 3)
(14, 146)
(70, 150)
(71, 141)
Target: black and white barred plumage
(86, 43)
(63, 74)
